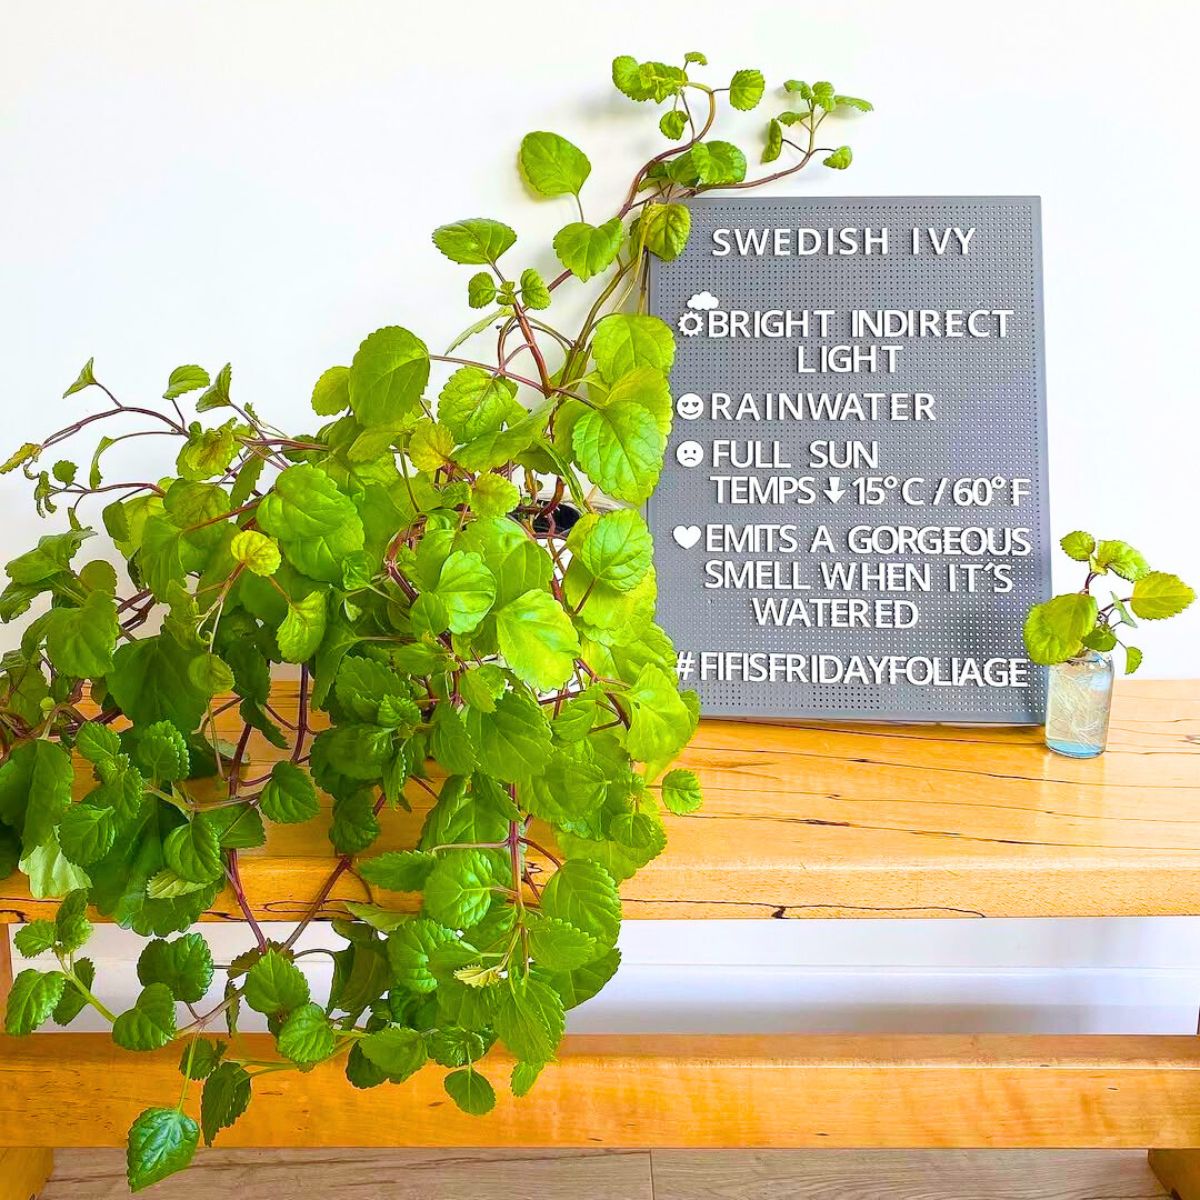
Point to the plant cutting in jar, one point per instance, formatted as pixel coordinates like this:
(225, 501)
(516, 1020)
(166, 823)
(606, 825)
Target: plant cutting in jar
(1069, 625)
(468, 623)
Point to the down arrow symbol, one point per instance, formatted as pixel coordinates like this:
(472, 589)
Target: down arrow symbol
(835, 491)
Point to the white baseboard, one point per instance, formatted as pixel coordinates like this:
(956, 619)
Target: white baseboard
(1125, 975)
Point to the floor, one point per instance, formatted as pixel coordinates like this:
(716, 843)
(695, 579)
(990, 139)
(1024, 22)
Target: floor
(625, 1175)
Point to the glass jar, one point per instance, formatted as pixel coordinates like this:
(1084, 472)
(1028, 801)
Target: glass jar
(1078, 704)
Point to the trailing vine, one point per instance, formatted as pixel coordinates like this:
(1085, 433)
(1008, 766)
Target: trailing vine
(465, 587)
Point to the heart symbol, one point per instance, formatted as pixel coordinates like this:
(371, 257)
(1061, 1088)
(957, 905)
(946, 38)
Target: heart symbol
(686, 535)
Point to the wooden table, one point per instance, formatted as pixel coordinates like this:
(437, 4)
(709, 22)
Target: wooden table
(819, 820)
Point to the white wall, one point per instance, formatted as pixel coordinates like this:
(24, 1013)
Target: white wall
(256, 180)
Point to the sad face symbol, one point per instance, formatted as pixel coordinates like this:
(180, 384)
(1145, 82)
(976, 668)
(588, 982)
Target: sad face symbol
(689, 454)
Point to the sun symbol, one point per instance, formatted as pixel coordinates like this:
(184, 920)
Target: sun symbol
(691, 323)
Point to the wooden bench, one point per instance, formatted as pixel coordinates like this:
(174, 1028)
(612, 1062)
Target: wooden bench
(824, 820)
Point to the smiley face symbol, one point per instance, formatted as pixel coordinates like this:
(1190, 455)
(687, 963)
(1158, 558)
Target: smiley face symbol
(689, 406)
(689, 454)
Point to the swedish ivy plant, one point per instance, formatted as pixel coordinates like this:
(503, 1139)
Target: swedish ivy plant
(461, 579)
(1066, 626)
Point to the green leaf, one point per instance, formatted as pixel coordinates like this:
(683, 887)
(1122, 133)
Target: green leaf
(577, 986)
(470, 1091)
(556, 945)
(275, 984)
(409, 950)
(681, 791)
(624, 341)
(398, 870)
(494, 496)
(32, 999)
(476, 241)
(583, 894)
(97, 743)
(1120, 558)
(331, 392)
(746, 89)
(398, 1051)
(211, 674)
(1101, 638)
(200, 1057)
(1054, 631)
(617, 549)
(1158, 595)
(529, 1019)
(301, 631)
(84, 379)
(29, 450)
(474, 402)
(185, 379)
(255, 551)
(587, 250)
(150, 1024)
(661, 722)
(665, 229)
(217, 395)
(387, 376)
(524, 1076)
(673, 124)
(36, 938)
(712, 164)
(193, 850)
(74, 1001)
(207, 452)
(52, 555)
(184, 966)
(306, 1036)
(289, 796)
(840, 159)
(317, 526)
(854, 102)
(646, 81)
(50, 873)
(552, 166)
(620, 447)
(149, 681)
(71, 922)
(534, 292)
(513, 740)
(774, 144)
(162, 1141)
(458, 890)
(225, 1097)
(537, 639)
(1133, 659)
(481, 290)
(163, 752)
(1078, 545)
(64, 471)
(35, 789)
(358, 751)
(467, 588)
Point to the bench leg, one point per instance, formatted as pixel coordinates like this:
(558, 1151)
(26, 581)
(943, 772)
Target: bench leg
(24, 1172)
(1178, 1171)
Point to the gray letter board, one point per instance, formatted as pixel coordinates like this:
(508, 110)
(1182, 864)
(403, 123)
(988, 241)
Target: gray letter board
(915, 440)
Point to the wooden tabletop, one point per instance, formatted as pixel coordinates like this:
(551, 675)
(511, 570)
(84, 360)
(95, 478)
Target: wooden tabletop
(846, 820)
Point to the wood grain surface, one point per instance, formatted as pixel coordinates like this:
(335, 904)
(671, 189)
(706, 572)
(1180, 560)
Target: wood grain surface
(678, 1091)
(832, 820)
(369, 1175)
(626, 1175)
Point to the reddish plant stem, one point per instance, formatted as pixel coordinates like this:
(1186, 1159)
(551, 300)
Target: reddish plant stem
(234, 875)
(301, 716)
